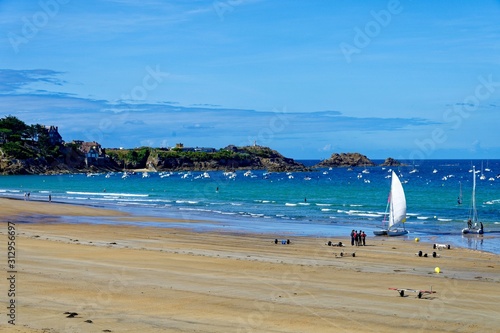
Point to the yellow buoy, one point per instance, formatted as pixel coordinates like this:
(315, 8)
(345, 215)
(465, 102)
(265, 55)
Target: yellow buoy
(417, 240)
(437, 270)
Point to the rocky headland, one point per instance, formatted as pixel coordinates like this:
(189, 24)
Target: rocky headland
(72, 160)
(37, 149)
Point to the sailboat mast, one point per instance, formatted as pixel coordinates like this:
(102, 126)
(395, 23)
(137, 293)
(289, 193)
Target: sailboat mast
(460, 193)
(387, 206)
(391, 210)
(474, 211)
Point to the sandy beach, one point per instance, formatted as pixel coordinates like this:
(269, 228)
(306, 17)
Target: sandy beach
(124, 278)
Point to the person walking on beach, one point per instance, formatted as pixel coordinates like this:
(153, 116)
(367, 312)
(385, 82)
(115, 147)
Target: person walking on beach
(363, 237)
(353, 237)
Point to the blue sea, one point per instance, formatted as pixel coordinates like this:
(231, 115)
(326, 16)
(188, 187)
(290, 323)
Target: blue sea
(328, 202)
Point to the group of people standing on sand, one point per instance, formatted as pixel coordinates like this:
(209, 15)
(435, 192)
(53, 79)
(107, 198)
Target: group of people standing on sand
(358, 238)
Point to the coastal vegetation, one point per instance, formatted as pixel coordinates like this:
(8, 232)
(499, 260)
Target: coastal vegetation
(201, 156)
(129, 158)
(21, 141)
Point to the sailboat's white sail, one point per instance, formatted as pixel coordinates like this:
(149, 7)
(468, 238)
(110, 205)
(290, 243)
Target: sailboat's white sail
(397, 212)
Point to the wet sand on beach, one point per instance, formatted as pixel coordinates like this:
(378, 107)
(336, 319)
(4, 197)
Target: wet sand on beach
(125, 278)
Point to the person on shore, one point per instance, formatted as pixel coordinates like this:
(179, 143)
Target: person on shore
(363, 237)
(50, 198)
(352, 237)
(358, 238)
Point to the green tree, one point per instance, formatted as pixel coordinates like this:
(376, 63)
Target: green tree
(5, 133)
(32, 132)
(17, 128)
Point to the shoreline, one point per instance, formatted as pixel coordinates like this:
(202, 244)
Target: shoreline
(115, 216)
(143, 278)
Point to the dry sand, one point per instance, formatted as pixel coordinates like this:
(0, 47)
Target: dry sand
(141, 279)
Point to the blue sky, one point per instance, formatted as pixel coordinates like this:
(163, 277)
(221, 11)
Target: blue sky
(412, 80)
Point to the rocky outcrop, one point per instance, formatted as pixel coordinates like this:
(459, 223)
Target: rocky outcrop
(346, 160)
(391, 162)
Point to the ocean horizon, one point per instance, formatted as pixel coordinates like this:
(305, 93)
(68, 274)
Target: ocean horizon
(327, 202)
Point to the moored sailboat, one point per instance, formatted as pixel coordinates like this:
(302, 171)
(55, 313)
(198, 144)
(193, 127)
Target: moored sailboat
(473, 226)
(397, 210)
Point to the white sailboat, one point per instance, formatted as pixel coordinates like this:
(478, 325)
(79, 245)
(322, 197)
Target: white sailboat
(414, 169)
(482, 177)
(473, 226)
(397, 210)
(365, 170)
